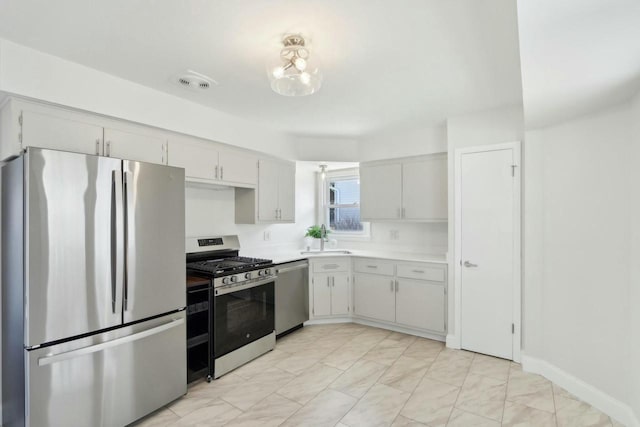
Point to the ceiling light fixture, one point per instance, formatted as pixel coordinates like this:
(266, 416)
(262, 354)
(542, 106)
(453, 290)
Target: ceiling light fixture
(294, 73)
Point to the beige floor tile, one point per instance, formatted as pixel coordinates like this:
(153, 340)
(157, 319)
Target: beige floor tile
(306, 386)
(464, 419)
(257, 388)
(405, 373)
(217, 413)
(378, 408)
(299, 363)
(424, 349)
(482, 396)
(326, 409)
(161, 418)
(272, 411)
(358, 379)
(215, 388)
(490, 367)
(344, 357)
(431, 403)
(575, 413)
(516, 415)
(530, 390)
(401, 421)
(450, 370)
(259, 365)
(187, 404)
(386, 352)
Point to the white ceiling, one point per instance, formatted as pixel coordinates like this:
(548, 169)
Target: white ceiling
(578, 56)
(386, 63)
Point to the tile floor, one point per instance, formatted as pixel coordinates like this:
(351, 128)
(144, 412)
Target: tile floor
(354, 375)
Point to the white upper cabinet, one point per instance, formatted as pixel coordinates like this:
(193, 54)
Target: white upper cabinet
(59, 133)
(287, 192)
(413, 189)
(198, 158)
(380, 191)
(135, 146)
(237, 167)
(268, 186)
(424, 189)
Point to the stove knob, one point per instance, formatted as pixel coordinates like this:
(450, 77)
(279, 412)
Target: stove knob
(267, 271)
(260, 273)
(247, 275)
(234, 279)
(225, 281)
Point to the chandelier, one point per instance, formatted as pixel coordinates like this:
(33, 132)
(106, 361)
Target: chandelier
(294, 73)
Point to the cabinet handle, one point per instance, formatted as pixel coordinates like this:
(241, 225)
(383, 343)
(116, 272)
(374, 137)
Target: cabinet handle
(222, 172)
(328, 285)
(418, 271)
(108, 149)
(216, 172)
(97, 146)
(392, 286)
(330, 266)
(372, 266)
(397, 286)
(333, 282)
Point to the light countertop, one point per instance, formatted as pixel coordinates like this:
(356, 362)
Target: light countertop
(280, 256)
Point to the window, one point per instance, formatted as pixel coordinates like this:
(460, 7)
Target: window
(342, 208)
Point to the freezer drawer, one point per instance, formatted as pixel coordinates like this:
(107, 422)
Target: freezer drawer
(110, 379)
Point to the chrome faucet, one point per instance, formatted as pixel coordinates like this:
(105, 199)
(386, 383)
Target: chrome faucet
(323, 235)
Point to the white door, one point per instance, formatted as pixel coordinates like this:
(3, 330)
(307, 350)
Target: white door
(199, 159)
(374, 297)
(340, 294)
(488, 246)
(268, 173)
(381, 192)
(45, 131)
(287, 193)
(238, 167)
(321, 295)
(132, 146)
(424, 189)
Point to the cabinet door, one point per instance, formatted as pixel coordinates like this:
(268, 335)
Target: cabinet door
(268, 174)
(374, 297)
(238, 167)
(420, 305)
(45, 131)
(132, 146)
(199, 159)
(380, 192)
(321, 295)
(287, 192)
(424, 189)
(340, 294)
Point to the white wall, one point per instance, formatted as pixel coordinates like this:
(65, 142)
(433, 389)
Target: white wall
(634, 294)
(401, 142)
(30, 73)
(326, 149)
(482, 128)
(577, 248)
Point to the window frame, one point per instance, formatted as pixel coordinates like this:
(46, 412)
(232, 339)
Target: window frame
(345, 174)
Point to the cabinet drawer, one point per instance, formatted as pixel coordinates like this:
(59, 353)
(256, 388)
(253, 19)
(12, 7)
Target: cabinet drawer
(373, 266)
(332, 264)
(433, 273)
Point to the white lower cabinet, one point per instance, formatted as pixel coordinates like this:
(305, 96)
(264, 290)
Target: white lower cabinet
(374, 297)
(330, 287)
(420, 304)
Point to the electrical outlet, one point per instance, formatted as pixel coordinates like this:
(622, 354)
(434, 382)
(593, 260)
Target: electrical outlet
(394, 234)
(267, 235)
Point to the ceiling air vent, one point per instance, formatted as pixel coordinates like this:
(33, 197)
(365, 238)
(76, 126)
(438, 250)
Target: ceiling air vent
(195, 81)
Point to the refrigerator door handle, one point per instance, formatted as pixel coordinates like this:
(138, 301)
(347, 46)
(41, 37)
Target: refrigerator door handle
(48, 360)
(127, 199)
(117, 245)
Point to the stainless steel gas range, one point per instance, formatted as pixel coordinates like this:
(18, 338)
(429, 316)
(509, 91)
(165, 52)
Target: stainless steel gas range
(242, 302)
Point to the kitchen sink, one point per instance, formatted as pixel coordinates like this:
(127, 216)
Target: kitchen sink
(327, 252)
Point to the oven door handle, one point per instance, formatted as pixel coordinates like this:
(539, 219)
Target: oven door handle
(223, 290)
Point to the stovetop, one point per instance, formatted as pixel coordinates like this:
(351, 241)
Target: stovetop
(231, 265)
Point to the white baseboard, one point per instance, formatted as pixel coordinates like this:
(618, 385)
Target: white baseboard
(616, 409)
(453, 342)
(375, 324)
(328, 321)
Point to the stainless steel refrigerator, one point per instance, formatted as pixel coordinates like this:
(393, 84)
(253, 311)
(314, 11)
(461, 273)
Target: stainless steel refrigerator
(93, 289)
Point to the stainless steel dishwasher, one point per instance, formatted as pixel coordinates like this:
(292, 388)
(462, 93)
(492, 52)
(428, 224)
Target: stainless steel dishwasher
(292, 295)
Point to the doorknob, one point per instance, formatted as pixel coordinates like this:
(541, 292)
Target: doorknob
(468, 264)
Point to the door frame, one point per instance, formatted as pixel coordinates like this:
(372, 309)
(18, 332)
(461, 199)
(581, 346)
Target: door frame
(517, 248)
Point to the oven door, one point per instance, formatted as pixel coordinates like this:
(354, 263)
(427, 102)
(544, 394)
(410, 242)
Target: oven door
(242, 314)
